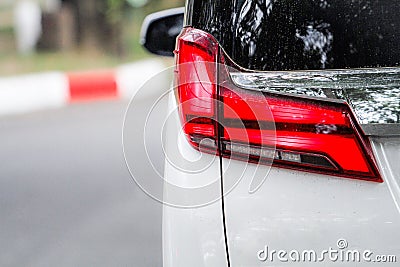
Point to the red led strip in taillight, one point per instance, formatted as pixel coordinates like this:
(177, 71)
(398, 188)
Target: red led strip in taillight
(293, 132)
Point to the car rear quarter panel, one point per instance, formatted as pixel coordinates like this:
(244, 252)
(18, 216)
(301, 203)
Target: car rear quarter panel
(302, 211)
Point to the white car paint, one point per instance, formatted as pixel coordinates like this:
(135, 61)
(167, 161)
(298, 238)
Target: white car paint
(192, 236)
(302, 211)
(292, 210)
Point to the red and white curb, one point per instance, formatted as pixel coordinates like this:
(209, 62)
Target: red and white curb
(27, 93)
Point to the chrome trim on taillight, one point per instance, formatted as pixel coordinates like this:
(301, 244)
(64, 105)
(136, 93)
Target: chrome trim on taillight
(373, 94)
(381, 130)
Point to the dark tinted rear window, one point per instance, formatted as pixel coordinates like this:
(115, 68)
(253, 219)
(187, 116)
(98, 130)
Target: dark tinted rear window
(303, 34)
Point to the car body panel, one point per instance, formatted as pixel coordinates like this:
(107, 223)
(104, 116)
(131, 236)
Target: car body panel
(302, 211)
(387, 151)
(192, 228)
(289, 210)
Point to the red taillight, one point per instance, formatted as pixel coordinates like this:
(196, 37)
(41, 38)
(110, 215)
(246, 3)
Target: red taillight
(196, 76)
(294, 132)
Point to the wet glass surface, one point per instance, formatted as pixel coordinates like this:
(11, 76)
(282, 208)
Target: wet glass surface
(303, 35)
(374, 94)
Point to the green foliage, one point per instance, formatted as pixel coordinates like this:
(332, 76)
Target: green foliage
(114, 11)
(124, 24)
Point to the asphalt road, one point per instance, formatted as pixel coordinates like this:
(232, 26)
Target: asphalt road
(66, 196)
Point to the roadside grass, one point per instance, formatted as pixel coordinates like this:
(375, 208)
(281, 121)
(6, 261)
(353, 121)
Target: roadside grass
(11, 63)
(14, 64)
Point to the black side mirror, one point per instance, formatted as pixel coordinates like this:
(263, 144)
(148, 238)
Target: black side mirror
(160, 30)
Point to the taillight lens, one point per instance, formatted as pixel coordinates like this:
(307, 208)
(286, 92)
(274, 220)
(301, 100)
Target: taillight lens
(294, 132)
(196, 75)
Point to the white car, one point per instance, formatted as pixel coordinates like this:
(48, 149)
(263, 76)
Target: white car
(283, 134)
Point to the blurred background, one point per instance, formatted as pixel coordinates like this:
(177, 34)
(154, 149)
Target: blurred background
(41, 35)
(66, 195)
